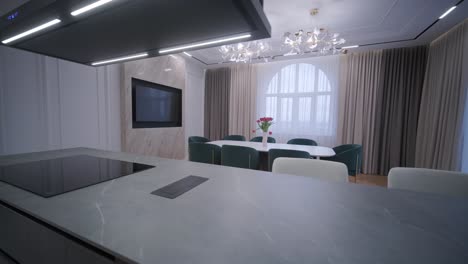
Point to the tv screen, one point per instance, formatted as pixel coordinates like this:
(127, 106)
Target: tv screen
(155, 105)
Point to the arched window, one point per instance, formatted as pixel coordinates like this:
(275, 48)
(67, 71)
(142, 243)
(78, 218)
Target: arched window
(299, 97)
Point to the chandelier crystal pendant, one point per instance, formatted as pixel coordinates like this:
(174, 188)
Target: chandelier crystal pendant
(244, 52)
(318, 40)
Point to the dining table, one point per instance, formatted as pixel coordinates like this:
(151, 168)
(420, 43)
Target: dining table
(314, 151)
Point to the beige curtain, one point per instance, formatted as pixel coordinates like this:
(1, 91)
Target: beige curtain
(242, 100)
(360, 101)
(217, 86)
(439, 136)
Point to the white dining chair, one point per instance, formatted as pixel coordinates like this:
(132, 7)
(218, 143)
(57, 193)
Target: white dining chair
(327, 170)
(428, 180)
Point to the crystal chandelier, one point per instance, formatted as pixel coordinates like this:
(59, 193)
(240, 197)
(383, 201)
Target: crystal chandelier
(319, 40)
(244, 52)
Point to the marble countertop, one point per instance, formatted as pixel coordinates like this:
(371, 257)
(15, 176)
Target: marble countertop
(247, 216)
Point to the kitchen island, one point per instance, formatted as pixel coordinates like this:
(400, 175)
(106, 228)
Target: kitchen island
(236, 216)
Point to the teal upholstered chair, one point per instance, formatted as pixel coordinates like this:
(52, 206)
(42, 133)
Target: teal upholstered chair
(259, 139)
(196, 139)
(234, 137)
(205, 153)
(302, 141)
(350, 155)
(240, 157)
(277, 153)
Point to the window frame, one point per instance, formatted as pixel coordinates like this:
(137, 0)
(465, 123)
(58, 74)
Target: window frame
(296, 95)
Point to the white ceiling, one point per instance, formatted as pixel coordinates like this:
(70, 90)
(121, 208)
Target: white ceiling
(358, 21)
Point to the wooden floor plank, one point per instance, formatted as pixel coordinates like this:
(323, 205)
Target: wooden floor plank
(377, 180)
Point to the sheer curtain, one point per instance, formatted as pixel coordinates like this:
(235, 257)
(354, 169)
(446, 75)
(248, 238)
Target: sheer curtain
(302, 97)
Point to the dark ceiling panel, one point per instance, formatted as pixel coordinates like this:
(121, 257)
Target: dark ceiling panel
(130, 27)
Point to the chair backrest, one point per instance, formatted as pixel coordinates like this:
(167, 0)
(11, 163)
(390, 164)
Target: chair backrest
(259, 139)
(234, 137)
(240, 157)
(302, 141)
(350, 155)
(197, 139)
(427, 180)
(327, 170)
(205, 153)
(277, 153)
(347, 147)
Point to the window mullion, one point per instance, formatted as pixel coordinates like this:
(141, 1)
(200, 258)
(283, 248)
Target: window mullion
(295, 97)
(278, 95)
(313, 114)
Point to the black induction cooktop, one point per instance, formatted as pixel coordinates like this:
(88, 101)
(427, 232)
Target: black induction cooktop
(52, 177)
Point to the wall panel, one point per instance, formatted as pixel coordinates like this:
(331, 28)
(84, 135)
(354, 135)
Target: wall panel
(168, 142)
(46, 103)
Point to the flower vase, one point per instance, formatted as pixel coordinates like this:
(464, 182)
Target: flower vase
(265, 139)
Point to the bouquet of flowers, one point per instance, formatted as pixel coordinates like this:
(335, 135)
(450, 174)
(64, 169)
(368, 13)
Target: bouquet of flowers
(264, 124)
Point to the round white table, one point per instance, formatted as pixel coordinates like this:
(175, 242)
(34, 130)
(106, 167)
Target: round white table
(314, 151)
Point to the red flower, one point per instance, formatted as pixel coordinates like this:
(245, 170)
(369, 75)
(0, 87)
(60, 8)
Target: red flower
(253, 131)
(258, 121)
(270, 133)
(262, 119)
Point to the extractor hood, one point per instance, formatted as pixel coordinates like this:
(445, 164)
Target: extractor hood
(97, 32)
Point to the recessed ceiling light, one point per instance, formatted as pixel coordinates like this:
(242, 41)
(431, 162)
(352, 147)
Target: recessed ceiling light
(89, 7)
(447, 12)
(205, 43)
(188, 54)
(120, 59)
(350, 47)
(31, 31)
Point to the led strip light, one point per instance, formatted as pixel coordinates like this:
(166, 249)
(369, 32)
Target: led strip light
(447, 12)
(205, 43)
(31, 31)
(141, 55)
(89, 7)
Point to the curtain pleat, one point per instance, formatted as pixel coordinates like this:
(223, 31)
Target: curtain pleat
(439, 134)
(381, 93)
(242, 100)
(217, 87)
(404, 71)
(361, 95)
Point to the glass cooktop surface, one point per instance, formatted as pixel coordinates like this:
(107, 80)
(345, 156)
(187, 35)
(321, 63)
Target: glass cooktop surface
(52, 177)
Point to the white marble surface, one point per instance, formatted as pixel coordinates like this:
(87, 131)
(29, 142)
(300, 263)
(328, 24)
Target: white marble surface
(247, 216)
(314, 151)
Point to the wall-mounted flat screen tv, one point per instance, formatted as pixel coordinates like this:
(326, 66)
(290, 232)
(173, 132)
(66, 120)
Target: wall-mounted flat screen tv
(155, 105)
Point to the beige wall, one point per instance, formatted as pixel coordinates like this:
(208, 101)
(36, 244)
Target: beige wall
(162, 142)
